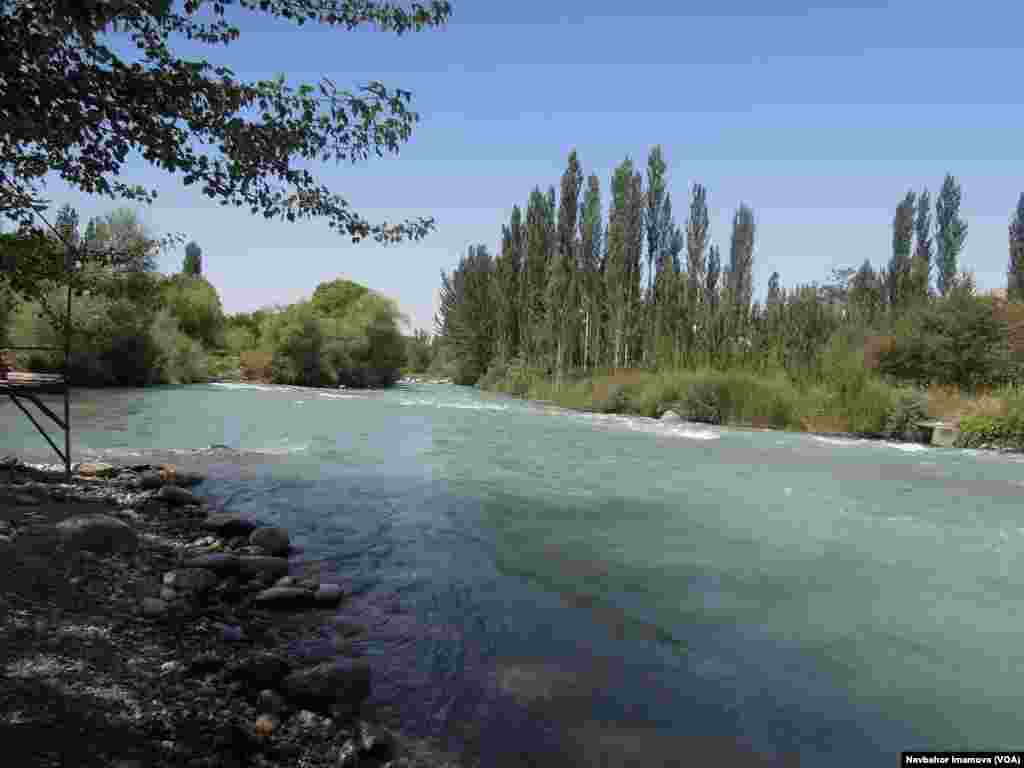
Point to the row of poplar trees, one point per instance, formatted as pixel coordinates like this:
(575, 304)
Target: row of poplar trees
(572, 290)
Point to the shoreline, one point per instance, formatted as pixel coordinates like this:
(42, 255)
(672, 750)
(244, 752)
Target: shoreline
(988, 447)
(141, 627)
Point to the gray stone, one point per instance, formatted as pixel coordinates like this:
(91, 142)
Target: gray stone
(284, 597)
(149, 481)
(231, 633)
(218, 562)
(263, 670)
(191, 579)
(273, 539)
(102, 534)
(261, 565)
(153, 607)
(371, 742)
(285, 581)
(336, 688)
(228, 525)
(188, 479)
(271, 702)
(167, 594)
(176, 496)
(25, 500)
(328, 594)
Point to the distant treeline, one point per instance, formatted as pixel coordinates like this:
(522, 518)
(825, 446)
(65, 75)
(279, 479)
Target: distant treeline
(132, 326)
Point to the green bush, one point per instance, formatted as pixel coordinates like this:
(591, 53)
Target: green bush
(910, 408)
(1000, 431)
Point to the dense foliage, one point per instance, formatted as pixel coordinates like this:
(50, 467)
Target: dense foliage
(132, 326)
(573, 299)
(72, 104)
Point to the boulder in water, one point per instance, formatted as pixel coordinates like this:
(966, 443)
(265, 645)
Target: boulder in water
(335, 688)
(175, 496)
(671, 416)
(284, 597)
(229, 525)
(262, 565)
(272, 539)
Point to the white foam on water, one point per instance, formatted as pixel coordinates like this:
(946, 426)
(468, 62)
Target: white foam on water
(284, 450)
(332, 396)
(459, 406)
(685, 430)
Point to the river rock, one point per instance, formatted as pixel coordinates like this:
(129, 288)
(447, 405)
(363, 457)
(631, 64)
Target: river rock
(176, 496)
(262, 565)
(102, 534)
(191, 579)
(153, 607)
(26, 500)
(671, 416)
(227, 524)
(328, 594)
(181, 478)
(149, 481)
(270, 701)
(219, 562)
(261, 671)
(372, 742)
(336, 688)
(284, 597)
(96, 469)
(273, 539)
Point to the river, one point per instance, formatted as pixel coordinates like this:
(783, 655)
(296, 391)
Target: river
(544, 587)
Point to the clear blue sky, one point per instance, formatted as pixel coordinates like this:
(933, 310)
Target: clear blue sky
(820, 115)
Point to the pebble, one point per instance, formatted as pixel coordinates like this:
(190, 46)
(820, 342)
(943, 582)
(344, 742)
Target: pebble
(270, 701)
(153, 607)
(231, 633)
(167, 594)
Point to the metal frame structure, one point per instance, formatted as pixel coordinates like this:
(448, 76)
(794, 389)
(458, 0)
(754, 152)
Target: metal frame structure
(31, 390)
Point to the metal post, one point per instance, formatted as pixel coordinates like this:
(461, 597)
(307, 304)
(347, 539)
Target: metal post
(67, 381)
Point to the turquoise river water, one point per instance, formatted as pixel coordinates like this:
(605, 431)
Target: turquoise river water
(552, 588)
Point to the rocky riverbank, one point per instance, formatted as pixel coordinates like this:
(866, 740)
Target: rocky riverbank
(139, 627)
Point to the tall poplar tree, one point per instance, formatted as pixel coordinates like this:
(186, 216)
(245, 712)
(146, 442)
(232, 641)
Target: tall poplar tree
(902, 242)
(921, 266)
(590, 267)
(698, 226)
(951, 233)
(741, 268)
(1015, 271)
(563, 308)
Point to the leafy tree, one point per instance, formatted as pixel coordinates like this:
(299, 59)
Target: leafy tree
(959, 341)
(61, 73)
(419, 353)
(465, 318)
(741, 267)
(1015, 271)
(336, 298)
(697, 228)
(538, 243)
(193, 264)
(951, 233)
(899, 288)
(591, 232)
(563, 286)
(921, 267)
(195, 304)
